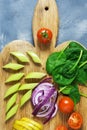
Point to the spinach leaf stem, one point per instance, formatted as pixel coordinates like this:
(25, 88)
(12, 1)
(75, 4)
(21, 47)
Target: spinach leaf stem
(83, 64)
(77, 61)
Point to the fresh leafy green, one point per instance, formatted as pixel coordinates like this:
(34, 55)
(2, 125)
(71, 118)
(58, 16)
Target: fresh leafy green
(55, 59)
(74, 94)
(72, 91)
(68, 68)
(65, 89)
(65, 73)
(82, 75)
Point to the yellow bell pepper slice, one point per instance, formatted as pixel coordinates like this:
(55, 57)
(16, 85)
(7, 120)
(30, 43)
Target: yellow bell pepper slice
(40, 126)
(18, 127)
(23, 124)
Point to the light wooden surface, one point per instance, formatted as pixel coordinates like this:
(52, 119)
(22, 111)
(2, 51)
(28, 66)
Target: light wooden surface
(42, 18)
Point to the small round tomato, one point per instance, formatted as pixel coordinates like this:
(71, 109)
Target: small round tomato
(44, 35)
(75, 121)
(66, 105)
(61, 127)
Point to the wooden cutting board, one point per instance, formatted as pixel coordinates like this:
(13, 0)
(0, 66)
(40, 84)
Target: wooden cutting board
(45, 15)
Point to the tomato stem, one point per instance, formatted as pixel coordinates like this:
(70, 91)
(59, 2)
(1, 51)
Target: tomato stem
(44, 34)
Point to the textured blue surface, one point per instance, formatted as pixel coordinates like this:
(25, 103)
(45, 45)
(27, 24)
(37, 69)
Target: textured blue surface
(16, 20)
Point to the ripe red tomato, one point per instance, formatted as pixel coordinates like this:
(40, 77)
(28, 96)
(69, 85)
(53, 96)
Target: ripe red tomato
(66, 105)
(75, 121)
(44, 35)
(61, 127)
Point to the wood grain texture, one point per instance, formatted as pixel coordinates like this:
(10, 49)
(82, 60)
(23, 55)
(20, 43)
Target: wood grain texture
(23, 46)
(46, 15)
(42, 18)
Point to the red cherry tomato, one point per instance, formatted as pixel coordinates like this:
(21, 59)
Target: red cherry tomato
(61, 127)
(75, 121)
(44, 35)
(66, 105)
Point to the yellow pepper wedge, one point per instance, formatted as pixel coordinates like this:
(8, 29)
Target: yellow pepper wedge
(27, 124)
(23, 124)
(18, 127)
(40, 126)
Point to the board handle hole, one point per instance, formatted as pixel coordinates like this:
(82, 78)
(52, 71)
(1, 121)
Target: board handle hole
(46, 8)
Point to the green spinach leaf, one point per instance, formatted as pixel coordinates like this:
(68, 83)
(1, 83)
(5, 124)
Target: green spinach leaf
(53, 60)
(74, 94)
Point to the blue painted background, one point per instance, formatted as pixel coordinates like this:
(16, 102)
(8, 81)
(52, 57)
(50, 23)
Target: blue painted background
(16, 20)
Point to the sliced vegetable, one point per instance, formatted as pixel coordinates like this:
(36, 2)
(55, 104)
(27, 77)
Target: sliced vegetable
(34, 57)
(26, 97)
(44, 99)
(75, 121)
(28, 86)
(66, 105)
(12, 112)
(27, 124)
(22, 124)
(20, 56)
(44, 35)
(32, 122)
(13, 66)
(35, 75)
(12, 90)
(18, 127)
(11, 102)
(14, 77)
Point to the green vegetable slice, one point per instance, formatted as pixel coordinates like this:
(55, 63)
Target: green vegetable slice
(14, 77)
(12, 112)
(13, 66)
(34, 57)
(35, 75)
(11, 102)
(28, 86)
(25, 98)
(20, 56)
(12, 90)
